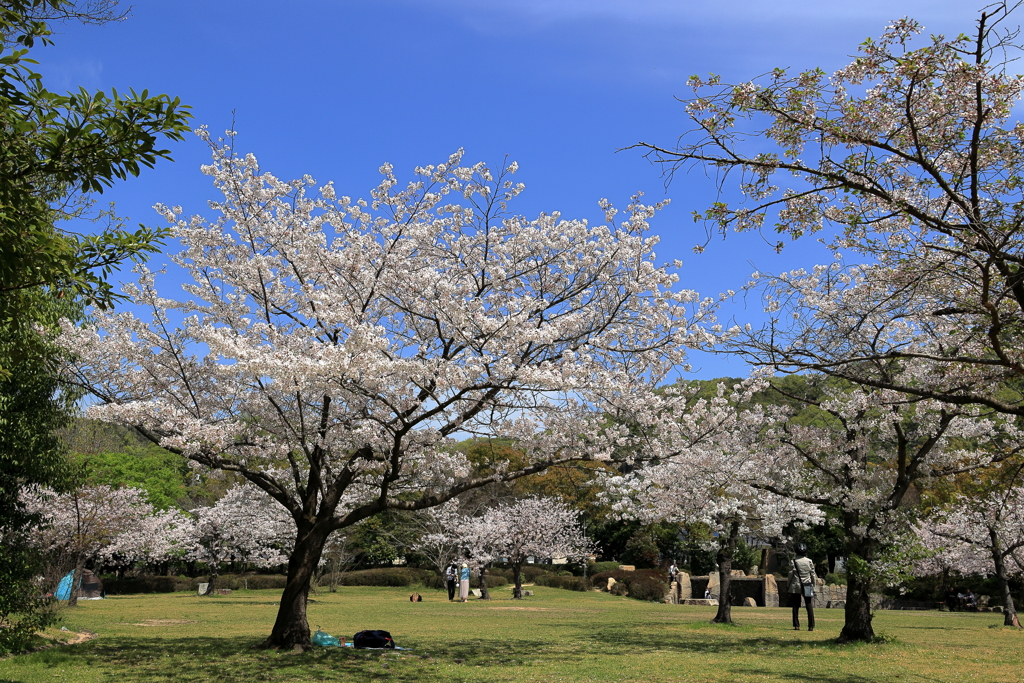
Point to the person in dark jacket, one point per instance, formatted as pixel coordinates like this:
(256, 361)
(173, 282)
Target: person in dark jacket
(451, 577)
(801, 585)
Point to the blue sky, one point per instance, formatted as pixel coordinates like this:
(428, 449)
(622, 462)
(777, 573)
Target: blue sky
(333, 88)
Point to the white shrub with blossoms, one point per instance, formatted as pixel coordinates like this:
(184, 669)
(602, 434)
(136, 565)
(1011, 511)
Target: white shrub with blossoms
(351, 341)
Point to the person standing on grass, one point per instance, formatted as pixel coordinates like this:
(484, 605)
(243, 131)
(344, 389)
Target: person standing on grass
(801, 585)
(464, 583)
(451, 577)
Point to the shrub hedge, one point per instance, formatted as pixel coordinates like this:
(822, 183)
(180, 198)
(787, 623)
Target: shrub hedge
(599, 567)
(570, 582)
(642, 584)
(171, 584)
(646, 588)
(387, 576)
(148, 584)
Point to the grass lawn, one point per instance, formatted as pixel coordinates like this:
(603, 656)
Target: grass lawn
(555, 635)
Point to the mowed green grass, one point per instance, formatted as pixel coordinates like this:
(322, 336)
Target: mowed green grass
(554, 635)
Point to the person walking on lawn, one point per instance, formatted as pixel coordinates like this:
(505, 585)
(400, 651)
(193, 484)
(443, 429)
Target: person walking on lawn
(464, 583)
(801, 585)
(451, 577)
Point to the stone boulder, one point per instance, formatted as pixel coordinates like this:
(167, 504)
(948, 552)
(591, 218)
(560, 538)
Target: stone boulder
(771, 591)
(749, 602)
(678, 590)
(611, 582)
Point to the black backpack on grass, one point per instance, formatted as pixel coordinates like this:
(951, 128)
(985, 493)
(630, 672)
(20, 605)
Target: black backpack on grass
(373, 639)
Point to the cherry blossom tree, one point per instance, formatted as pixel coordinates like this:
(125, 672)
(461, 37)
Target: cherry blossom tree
(514, 531)
(349, 341)
(865, 452)
(910, 159)
(982, 534)
(97, 523)
(705, 476)
(438, 538)
(245, 525)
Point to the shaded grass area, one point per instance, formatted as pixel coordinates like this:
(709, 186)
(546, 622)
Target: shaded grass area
(553, 636)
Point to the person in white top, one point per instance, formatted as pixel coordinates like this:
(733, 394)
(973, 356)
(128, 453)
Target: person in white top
(801, 584)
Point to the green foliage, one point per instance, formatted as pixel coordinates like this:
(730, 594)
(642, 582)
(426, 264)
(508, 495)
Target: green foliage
(745, 557)
(160, 473)
(55, 151)
(34, 407)
(641, 550)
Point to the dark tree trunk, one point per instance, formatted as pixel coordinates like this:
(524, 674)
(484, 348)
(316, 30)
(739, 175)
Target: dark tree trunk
(484, 595)
(517, 581)
(291, 629)
(860, 551)
(998, 559)
(211, 585)
(726, 550)
(76, 582)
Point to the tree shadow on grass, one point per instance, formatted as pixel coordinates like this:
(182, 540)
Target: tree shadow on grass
(808, 677)
(225, 660)
(232, 659)
(717, 639)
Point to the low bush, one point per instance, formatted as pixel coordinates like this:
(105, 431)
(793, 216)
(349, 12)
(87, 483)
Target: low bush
(647, 589)
(257, 582)
(837, 579)
(435, 581)
(599, 567)
(149, 584)
(493, 580)
(570, 582)
(531, 572)
(601, 579)
(642, 584)
(397, 576)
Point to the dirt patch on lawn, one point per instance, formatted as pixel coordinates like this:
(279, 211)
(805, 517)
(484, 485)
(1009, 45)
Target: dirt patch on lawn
(80, 637)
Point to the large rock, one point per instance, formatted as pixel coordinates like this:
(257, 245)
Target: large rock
(678, 590)
(627, 568)
(771, 591)
(749, 602)
(715, 585)
(611, 582)
(738, 573)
